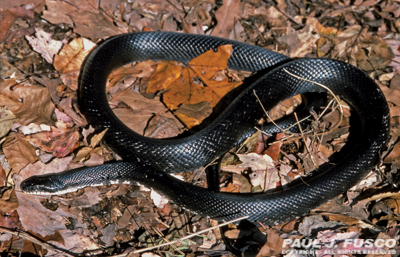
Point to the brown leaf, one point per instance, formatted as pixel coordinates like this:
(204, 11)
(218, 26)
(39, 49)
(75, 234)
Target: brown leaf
(69, 61)
(273, 151)
(207, 67)
(6, 19)
(11, 219)
(142, 109)
(197, 111)
(95, 24)
(225, 16)
(163, 125)
(273, 246)
(190, 92)
(7, 119)
(69, 106)
(35, 107)
(299, 43)
(57, 12)
(183, 87)
(18, 151)
(375, 54)
(59, 141)
(9, 203)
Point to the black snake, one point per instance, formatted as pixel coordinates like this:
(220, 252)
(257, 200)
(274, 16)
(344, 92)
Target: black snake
(148, 161)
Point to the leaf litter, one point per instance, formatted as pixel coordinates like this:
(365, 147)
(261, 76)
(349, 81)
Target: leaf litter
(43, 130)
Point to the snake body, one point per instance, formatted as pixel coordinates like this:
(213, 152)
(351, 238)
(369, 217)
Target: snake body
(148, 161)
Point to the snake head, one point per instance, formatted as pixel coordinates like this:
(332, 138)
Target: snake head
(42, 185)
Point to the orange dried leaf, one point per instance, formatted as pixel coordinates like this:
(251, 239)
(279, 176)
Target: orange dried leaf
(188, 121)
(185, 90)
(209, 63)
(166, 73)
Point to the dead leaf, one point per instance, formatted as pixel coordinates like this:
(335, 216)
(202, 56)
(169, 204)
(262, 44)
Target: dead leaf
(142, 110)
(273, 246)
(253, 161)
(35, 107)
(184, 88)
(7, 18)
(7, 119)
(18, 151)
(164, 125)
(376, 54)
(225, 16)
(95, 24)
(69, 61)
(166, 73)
(198, 111)
(9, 218)
(9, 203)
(57, 12)
(299, 43)
(60, 141)
(44, 44)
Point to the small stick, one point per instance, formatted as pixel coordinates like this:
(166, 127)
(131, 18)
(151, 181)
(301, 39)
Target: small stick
(190, 236)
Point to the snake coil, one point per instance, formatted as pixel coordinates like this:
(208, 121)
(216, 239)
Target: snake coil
(148, 161)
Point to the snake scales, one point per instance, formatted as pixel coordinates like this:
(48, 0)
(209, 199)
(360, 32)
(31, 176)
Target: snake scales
(148, 161)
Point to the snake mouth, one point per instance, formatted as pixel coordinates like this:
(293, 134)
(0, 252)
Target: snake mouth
(42, 185)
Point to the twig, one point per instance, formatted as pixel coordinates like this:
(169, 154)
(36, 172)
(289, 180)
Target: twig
(166, 240)
(324, 87)
(191, 235)
(32, 239)
(273, 122)
(305, 141)
(285, 14)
